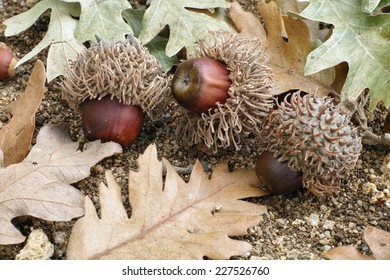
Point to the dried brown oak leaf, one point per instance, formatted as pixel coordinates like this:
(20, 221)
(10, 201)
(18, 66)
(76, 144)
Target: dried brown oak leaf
(175, 220)
(15, 137)
(287, 56)
(39, 186)
(378, 240)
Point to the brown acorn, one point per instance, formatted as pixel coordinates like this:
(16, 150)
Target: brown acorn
(233, 76)
(199, 83)
(386, 125)
(8, 61)
(110, 120)
(114, 84)
(277, 176)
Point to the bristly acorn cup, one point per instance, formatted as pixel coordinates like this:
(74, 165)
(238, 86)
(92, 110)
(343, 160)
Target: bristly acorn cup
(315, 137)
(114, 84)
(224, 89)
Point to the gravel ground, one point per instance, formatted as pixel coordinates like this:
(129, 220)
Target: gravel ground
(297, 226)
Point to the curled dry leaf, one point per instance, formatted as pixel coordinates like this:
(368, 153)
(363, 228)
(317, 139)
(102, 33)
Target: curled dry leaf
(378, 240)
(287, 56)
(176, 221)
(39, 186)
(15, 137)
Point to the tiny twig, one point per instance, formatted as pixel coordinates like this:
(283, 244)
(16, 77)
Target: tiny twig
(368, 136)
(361, 111)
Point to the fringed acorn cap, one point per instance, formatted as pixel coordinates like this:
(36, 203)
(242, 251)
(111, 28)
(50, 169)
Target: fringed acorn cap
(314, 136)
(124, 70)
(249, 98)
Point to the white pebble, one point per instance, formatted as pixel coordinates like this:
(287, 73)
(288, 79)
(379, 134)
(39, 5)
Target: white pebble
(314, 220)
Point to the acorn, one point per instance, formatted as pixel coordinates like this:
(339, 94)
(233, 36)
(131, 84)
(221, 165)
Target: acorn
(277, 176)
(114, 85)
(8, 61)
(199, 83)
(386, 124)
(314, 136)
(225, 92)
(125, 120)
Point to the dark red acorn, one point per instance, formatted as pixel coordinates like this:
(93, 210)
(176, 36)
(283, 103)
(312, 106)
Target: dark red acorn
(277, 176)
(110, 120)
(386, 125)
(7, 62)
(199, 83)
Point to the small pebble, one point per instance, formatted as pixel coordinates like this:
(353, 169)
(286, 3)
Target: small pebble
(59, 237)
(326, 248)
(328, 224)
(314, 220)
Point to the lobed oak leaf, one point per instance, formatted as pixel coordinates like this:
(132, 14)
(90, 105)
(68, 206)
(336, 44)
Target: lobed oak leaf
(156, 46)
(103, 19)
(186, 24)
(378, 240)
(39, 186)
(59, 36)
(176, 220)
(358, 38)
(287, 56)
(15, 137)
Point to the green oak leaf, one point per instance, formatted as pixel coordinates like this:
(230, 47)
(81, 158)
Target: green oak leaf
(369, 6)
(186, 25)
(59, 35)
(102, 18)
(156, 46)
(360, 39)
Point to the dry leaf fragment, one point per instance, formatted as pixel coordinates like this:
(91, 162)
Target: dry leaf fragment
(378, 240)
(177, 221)
(246, 23)
(40, 185)
(346, 253)
(287, 56)
(15, 137)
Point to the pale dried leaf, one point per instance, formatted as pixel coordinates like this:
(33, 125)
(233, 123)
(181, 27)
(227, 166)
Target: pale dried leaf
(39, 186)
(246, 23)
(15, 137)
(345, 253)
(379, 242)
(176, 220)
(288, 59)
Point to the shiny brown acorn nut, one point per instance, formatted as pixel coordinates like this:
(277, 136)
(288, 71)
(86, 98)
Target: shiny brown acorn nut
(108, 119)
(7, 62)
(199, 83)
(277, 176)
(386, 125)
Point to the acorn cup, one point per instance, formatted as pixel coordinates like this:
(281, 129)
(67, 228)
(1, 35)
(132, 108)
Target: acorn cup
(312, 136)
(114, 85)
(224, 90)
